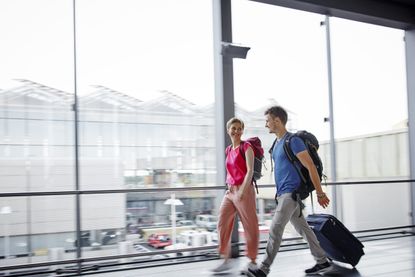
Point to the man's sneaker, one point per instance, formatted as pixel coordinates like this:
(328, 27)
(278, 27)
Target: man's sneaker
(319, 268)
(224, 267)
(256, 272)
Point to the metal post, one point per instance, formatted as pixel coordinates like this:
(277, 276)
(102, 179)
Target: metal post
(410, 72)
(336, 196)
(76, 142)
(224, 95)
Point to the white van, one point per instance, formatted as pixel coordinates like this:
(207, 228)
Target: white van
(191, 238)
(206, 221)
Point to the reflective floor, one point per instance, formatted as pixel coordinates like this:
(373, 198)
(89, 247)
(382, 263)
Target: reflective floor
(387, 257)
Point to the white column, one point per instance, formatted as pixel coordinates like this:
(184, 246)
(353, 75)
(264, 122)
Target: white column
(410, 72)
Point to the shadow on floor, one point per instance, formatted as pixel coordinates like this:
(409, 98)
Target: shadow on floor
(342, 271)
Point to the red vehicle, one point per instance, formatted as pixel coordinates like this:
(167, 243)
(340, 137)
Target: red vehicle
(159, 240)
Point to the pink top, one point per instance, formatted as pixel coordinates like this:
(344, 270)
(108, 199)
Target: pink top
(236, 165)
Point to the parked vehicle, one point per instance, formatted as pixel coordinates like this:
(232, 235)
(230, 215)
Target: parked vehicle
(142, 249)
(179, 216)
(206, 221)
(110, 237)
(188, 223)
(159, 240)
(84, 239)
(191, 238)
(107, 237)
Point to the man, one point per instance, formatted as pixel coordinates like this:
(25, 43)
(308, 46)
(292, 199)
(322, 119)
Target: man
(288, 209)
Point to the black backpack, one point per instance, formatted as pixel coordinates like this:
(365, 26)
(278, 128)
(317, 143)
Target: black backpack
(258, 157)
(312, 145)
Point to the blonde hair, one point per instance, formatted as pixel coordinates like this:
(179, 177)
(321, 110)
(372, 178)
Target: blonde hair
(234, 120)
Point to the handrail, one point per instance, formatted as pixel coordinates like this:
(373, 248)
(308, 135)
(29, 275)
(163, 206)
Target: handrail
(371, 182)
(175, 189)
(170, 189)
(201, 248)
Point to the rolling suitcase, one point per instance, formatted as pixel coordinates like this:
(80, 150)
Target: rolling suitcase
(336, 240)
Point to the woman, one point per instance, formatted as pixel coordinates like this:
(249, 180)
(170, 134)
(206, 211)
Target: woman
(239, 198)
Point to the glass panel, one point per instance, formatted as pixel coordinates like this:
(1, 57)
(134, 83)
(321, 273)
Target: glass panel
(37, 229)
(371, 118)
(286, 66)
(148, 223)
(36, 94)
(36, 133)
(372, 206)
(146, 94)
(146, 119)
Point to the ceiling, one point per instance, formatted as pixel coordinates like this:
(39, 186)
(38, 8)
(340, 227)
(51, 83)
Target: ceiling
(393, 13)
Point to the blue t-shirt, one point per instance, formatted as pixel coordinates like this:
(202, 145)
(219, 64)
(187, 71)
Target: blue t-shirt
(286, 176)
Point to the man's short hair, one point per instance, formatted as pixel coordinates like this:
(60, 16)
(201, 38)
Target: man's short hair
(234, 120)
(278, 111)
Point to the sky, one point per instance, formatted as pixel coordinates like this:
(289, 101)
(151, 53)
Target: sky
(142, 47)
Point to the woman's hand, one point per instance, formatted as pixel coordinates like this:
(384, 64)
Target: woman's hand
(240, 193)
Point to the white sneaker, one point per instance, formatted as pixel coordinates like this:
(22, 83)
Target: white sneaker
(251, 266)
(224, 267)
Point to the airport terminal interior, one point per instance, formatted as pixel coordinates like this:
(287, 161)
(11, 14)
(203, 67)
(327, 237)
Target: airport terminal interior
(113, 130)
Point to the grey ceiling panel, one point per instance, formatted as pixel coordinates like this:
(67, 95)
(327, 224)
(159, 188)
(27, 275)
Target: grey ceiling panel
(396, 14)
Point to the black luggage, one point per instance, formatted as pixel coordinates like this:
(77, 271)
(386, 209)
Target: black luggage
(338, 242)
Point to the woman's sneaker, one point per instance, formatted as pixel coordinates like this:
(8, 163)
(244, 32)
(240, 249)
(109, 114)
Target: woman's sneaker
(319, 268)
(251, 266)
(224, 267)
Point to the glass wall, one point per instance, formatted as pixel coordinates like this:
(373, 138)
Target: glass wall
(145, 82)
(145, 91)
(370, 107)
(36, 129)
(36, 94)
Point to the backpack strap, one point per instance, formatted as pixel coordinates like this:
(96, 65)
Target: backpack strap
(294, 160)
(270, 154)
(227, 150)
(296, 197)
(241, 149)
(291, 157)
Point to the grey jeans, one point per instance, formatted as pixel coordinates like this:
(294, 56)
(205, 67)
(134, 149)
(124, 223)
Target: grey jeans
(289, 210)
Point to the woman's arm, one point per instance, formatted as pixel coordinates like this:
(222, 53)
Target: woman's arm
(249, 157)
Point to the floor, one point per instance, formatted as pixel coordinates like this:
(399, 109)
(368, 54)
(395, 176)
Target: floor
(388, 257)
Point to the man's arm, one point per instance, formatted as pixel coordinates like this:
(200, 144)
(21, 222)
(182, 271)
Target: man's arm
(308, 163)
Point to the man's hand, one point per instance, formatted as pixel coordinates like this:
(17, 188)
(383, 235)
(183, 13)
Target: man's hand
(323, 200)
(307, 162)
